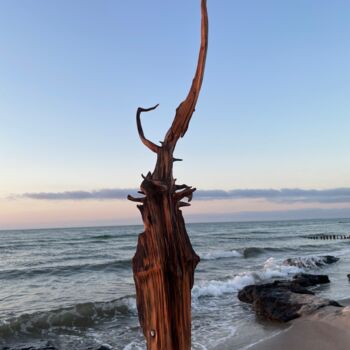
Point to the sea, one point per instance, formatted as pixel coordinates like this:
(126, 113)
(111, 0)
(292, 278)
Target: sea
(73, 287)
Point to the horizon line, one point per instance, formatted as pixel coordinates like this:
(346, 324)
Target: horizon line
(188, 222)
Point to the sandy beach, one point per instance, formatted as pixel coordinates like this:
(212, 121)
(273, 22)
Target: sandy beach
(325, 330)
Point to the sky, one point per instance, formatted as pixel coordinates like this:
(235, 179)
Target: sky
(273, 113)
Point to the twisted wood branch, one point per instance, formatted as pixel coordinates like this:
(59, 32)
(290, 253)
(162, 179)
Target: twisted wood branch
(152, 146)
(187, 107)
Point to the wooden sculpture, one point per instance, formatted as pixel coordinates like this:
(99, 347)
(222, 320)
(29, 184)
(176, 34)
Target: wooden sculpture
(165, 261)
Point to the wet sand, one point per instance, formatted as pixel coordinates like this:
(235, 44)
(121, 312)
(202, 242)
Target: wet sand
(327, 329)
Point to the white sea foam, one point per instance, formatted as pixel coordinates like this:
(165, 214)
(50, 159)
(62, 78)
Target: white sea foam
(130, 302)
(271, 269)
(216, 288)
(214, 337)
(274, 269)
(133, 346)
(84, 314)
(220, 254)
(198, 346)
(274, 334)
(309, 262)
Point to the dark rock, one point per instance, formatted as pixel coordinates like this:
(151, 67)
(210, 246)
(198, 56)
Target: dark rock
(308, 280)
(249, 293)
(311, 261)
(348, 276)
(283, 301)
(47, 346)
(329, 259)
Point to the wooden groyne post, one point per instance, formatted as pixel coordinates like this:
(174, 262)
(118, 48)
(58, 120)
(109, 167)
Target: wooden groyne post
(327, 236)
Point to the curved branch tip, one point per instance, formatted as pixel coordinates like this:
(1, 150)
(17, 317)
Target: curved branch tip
(186, 108)
(152, 146)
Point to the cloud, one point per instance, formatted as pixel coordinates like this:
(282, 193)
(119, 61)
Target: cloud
(274, 215)
(117, 193)
(287, 195)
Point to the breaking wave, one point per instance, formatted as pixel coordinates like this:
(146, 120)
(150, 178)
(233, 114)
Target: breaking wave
(271, 269)
(81, 315)
(251, 252)
(220, 254)
(64, 270)
(248, 252)
(104, 237)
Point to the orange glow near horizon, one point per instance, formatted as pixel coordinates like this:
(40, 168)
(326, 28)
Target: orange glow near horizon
(27, 213)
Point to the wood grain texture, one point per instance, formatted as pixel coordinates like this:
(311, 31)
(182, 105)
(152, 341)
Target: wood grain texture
(165, 261)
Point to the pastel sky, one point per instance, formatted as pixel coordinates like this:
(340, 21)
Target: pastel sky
(273, 112)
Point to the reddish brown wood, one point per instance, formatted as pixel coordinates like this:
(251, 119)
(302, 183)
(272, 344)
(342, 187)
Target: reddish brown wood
(165, 261)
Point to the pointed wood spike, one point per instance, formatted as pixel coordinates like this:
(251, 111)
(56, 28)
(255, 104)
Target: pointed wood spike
(153, 147)
(134, 199)
(185, 193)
(184, 204)
(180, 187)
(186, 108)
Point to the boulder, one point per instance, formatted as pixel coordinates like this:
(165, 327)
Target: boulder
(329, 259)
(283, 301)
(311, 261)
(308, 280)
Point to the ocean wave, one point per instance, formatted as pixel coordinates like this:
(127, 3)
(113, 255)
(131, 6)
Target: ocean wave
(134, 345)
(216, 288)
(251, 252)
(64, 270)
(81, 315)
(260, 232)
(221, 254)
(104, 237)
(271, 269)
(274, 269)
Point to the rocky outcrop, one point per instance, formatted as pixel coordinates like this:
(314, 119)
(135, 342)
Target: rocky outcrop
(313, 261)
(308, 280)
(283, 301)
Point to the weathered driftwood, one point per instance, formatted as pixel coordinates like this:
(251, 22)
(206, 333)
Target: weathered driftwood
(165, 261)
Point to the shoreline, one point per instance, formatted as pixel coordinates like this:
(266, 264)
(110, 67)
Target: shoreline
(327, 329)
